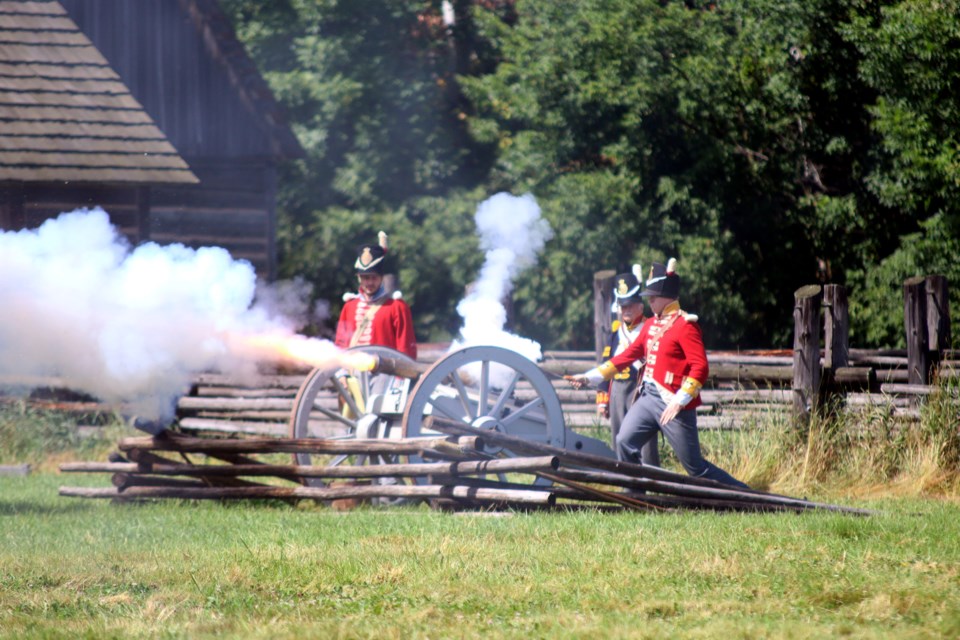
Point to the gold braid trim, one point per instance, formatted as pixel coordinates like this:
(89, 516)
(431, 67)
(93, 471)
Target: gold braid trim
(691, 386)
(607, 370)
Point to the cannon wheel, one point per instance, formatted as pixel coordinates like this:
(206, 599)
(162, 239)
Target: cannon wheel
(489, 388)
(304, 404)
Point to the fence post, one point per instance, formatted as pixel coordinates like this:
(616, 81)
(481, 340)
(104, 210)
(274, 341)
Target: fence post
(806, 350)
(602, 299)
(836, 342)
(915, 324)
(836, 323)
(938, 317)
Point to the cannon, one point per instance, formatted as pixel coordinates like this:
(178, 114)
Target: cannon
(389, 395)
(482, 395)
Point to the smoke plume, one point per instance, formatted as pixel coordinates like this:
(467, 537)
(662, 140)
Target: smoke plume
(512, 234)
(130, 326)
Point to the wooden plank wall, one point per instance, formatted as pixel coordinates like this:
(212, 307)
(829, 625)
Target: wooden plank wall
(157, 50)
(233, 207)
(162, 59)
(216, 214)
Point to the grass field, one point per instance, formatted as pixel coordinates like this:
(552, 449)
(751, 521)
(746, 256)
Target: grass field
(71, 568)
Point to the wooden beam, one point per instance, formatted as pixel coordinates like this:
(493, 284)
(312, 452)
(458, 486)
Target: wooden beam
(915, 326)
(938, 317)
(602, 315)
(806, 350)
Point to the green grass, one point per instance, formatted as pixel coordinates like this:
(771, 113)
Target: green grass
(75, 568)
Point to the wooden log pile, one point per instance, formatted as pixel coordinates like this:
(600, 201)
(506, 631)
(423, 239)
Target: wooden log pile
(456, 473)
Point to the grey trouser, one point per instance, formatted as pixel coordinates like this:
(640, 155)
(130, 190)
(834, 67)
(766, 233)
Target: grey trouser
(641, 425)
(621, 396)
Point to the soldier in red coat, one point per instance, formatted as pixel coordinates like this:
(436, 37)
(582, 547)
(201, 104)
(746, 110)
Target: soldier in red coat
(615, 396)
(373, 316)
(671, 343)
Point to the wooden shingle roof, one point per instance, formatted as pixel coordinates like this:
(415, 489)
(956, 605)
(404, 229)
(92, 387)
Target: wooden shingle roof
(65, 115)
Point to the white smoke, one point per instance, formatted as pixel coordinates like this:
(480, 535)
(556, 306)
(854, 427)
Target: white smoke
(129, 326)
(512, 234)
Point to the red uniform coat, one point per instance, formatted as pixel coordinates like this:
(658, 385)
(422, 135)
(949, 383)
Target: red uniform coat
(675, 355)
(392, 326)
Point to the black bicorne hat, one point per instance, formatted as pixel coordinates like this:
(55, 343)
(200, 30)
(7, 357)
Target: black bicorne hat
(663, 281)
(370, 257)
(626, 287)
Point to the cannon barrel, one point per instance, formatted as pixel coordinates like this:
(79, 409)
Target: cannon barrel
(413, 370)
(398, 367)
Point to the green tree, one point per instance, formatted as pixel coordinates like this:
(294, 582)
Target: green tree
(911, 59)
(655, 129)
(370, 91)
(764, 144)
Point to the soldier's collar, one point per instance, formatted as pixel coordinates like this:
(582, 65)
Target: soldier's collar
(377, 295)
(670, 309)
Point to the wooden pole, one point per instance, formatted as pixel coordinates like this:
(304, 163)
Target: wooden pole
(806, 351)
(289, 471)
(398, 446)
(144, 459)
(689, 491)
(836, 334)
(543, 497)
(938, 317)
(836, 345)
(123, 481)
(602, 316)
(915, 325)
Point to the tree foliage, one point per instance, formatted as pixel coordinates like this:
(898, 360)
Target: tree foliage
(370, 92)
(911, 59)
(766, 145)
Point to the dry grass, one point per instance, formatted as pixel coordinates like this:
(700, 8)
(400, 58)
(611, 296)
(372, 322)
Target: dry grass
(863, 451)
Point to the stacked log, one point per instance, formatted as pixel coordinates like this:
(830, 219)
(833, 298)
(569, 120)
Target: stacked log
(450, 471)
(745, 389)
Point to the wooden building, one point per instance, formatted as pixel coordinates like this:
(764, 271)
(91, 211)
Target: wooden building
(150, 109)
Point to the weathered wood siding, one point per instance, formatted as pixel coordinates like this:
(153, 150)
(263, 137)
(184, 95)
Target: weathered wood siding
(183, 64)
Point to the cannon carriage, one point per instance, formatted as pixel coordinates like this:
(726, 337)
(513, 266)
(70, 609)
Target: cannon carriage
(385, 394)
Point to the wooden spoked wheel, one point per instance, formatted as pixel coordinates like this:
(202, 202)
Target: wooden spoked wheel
(488, 388)
(352, 410)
